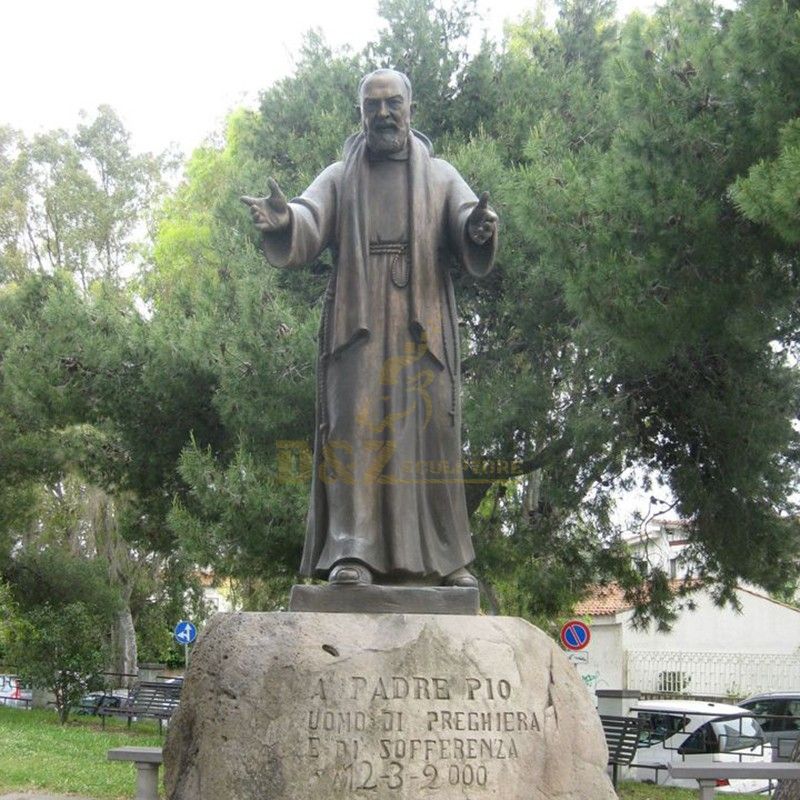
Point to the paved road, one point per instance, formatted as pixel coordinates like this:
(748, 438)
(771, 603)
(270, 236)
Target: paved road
(40, 796)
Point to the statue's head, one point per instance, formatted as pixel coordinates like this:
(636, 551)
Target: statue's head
(385, 99)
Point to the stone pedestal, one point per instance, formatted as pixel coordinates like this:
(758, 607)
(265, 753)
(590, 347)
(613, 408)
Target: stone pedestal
(333, 599)
(291, 706)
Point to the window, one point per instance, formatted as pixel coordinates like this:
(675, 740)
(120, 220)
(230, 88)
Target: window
(673, 681)
(703, 740)
(740, 733)
(724, 736)
(793, 711)
(673, 568)
(771, 713)
(656, 727)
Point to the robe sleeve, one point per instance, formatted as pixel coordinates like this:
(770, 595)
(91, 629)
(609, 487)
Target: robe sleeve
(477, 259)
(312, 226)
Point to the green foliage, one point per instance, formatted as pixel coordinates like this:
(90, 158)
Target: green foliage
(243, 520)
(57, 649)
(157, 604)
(54, 577)
(74, 201)
(92, 408)
(59, 609)
(428, 42)
(689, 299)
(768, 195)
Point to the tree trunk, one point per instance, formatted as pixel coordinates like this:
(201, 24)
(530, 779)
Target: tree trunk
(488, 592)
(789, 790)
(123, 648)
(532, 500)
(61, 702)
(121, 566)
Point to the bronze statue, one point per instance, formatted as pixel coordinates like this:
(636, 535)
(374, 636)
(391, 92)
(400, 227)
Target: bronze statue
(387, 496)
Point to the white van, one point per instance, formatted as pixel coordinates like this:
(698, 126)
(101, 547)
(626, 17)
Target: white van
(696, 732)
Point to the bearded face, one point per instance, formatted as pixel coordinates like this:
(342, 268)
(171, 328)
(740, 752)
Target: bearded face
(386, 113)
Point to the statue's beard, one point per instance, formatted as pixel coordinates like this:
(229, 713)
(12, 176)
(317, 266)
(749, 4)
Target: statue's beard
(389, 139)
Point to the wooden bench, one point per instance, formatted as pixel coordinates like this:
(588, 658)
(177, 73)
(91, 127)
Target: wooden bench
(147, 761)
(149, 700)
(622, 738)
(707, 775)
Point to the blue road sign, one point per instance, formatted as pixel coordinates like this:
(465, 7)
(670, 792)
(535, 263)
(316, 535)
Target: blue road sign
(575, 635)
(185, 632)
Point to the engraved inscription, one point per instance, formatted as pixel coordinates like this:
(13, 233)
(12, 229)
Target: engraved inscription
(451, 732)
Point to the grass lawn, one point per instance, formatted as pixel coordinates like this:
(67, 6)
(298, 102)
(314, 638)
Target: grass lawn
(36, 753)
(630, 790)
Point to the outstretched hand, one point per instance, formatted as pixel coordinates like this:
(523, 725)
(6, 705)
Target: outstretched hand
(482, 222)
(270, 214)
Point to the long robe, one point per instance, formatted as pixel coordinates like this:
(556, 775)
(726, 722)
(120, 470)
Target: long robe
(387, 487)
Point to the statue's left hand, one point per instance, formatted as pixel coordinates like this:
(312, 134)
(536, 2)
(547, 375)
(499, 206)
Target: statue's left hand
(482, 222)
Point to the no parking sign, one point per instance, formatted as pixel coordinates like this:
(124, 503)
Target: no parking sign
(575, 635)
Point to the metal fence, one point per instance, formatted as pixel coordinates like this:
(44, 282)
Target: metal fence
(734, 675)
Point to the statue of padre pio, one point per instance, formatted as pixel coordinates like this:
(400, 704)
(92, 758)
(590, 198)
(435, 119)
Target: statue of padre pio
(387, 496)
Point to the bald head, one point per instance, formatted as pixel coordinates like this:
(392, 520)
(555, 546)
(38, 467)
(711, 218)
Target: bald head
(385, 73)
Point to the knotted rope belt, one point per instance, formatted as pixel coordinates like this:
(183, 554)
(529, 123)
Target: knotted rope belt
(399, 263)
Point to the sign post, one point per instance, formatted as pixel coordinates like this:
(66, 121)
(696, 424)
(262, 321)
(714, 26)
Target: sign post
(575, 635)
(185, 633)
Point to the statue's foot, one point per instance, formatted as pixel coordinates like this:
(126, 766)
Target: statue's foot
(350, 572)
(462, 578)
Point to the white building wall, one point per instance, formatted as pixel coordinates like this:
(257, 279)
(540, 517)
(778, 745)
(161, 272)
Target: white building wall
(216, 600)
(762, 627)
(720, 650)
(709, 651)
(717, 651)
(603, 661)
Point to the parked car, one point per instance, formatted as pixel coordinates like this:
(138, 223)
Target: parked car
(13, 693)
(778, 713)
(697, 732)
(91, 704)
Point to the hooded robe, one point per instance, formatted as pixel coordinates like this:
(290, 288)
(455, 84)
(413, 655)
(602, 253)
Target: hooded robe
(387, 487)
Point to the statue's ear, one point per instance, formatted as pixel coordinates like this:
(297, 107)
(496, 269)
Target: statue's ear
(413, 108)
(357, 109)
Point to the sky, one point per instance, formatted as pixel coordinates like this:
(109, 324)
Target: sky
(171, 69)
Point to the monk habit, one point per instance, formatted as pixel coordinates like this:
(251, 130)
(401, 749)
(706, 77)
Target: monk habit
(387, 487)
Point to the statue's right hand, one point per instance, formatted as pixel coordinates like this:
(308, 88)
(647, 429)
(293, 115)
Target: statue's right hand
(271, 213)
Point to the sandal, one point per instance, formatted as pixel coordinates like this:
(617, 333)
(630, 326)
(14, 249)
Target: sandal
(350, 573)
(462, 578)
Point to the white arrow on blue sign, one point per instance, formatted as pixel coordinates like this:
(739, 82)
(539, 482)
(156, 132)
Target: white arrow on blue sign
(185, 632)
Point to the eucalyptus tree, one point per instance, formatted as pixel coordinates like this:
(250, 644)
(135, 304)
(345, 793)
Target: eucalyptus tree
(87, 417)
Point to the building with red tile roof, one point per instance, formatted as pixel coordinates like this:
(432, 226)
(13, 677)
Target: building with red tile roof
(709, 651)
